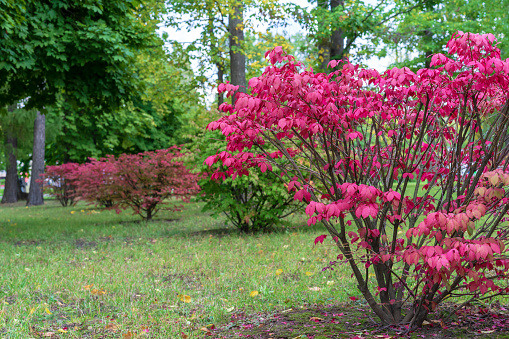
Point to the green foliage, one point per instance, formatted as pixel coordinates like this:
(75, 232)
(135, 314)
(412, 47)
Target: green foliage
(256, 44)
(210, 18)
(336, 28)
(424, 32)
(81, 50)
(156, 117)
(254, 203)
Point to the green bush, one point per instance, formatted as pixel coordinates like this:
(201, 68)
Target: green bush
(254, 203)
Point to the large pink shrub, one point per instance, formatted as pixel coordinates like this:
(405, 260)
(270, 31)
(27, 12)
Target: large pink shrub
(352, 144)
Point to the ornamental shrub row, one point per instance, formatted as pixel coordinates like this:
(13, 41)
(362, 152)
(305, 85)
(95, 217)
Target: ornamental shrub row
(144, 182)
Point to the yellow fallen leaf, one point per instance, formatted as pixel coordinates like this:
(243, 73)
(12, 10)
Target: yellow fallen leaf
(315, 319)
(309, 274)
(95, 291)
(253, 294)
(47, 311)
(330, 282)
(72, 212)
(61, 330)
(32, 310)
(279, 271)
(87, 287)
(185, 298)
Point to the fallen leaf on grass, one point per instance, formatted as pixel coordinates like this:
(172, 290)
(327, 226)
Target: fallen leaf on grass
(95, 291)
(112, 327)
(488, 331)
(184, 298)
(230, 309)
(183, 335)
(279, 271)
(87, 287)
(47, 311)
(253, 294)
(309, 274)
(61, 330)
(204, 329)
(128, 335)
(426, 323)
(48, 334)
(315, 289)
(315, 319)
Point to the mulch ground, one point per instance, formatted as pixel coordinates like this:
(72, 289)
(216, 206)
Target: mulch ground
(355, 321)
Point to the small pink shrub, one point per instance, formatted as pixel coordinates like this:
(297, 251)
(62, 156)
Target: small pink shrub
(58, 180)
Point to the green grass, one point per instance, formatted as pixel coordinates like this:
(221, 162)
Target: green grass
(52, 258)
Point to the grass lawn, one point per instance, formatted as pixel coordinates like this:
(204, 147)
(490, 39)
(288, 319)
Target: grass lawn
(80, 272)
(74, 269)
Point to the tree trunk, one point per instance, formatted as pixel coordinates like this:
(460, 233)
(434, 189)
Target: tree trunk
(323, 44)
(237, 57)
(428, 37)
(215, 50)
(35, 196)
(220, 74)
(11, 178)
(337, 45)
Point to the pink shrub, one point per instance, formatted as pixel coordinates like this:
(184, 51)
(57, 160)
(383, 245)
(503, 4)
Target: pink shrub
(58, 181)
(143, 182)
(407, 171)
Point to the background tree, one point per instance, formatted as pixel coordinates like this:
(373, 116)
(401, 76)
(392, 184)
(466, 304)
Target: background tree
(339, 27)
(13, 126)
(159, 115)
(75, 51)
(223, 26)
(415, 37)
(16, 143)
